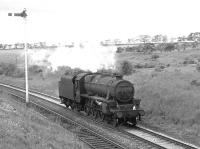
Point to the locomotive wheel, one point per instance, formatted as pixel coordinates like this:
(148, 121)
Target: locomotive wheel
(87, 110)
(102, 116)
(93, 112)
(67, 104)
(96, 114)
(115, 121)
(133, 121)
(73, 106)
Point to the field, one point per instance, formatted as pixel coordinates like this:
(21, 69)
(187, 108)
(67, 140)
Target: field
(170, 94)
(168, 84)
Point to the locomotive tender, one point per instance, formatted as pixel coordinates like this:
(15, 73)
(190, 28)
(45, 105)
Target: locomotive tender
(103, 95)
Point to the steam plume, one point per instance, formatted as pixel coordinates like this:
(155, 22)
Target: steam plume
(84, 56)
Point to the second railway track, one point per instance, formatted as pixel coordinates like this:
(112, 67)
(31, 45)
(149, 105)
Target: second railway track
(149, 138)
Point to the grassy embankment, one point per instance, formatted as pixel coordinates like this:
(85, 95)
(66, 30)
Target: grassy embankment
(23, 128)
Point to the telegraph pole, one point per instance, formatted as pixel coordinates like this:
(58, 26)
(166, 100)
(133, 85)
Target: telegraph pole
(23, 14)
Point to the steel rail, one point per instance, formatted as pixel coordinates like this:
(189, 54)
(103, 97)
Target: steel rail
(163, 142)
(167, 138)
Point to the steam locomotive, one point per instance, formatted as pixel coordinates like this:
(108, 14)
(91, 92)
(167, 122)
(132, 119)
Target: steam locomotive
(105, 96)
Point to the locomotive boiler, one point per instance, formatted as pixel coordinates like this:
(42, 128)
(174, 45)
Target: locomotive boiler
(105, 96)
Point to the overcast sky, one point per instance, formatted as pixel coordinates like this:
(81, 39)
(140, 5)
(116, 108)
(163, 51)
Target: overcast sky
(69, 20)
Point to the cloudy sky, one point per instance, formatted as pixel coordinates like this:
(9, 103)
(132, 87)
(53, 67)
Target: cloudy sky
(74, 20)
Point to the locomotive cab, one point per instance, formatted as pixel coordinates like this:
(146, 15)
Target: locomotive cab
(66, 89)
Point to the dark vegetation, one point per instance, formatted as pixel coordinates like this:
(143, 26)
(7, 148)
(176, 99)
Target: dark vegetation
(11, 70)
(161, 47)
(125, 68)
(198, 67)
(68, 70)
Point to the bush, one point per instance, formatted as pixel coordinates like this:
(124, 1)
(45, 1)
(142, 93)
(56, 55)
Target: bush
(149, 47)
(120, 50)
(155, 56)
(198, 67)
(34, 69)
(19, 73)
(1, 71)
(138, 66)
(145, 65)
(125, 68)
(63, 70)
(189, 61)
(11, 70)
(169, 47)
(160, 46)
(159, 69)
(195, 82)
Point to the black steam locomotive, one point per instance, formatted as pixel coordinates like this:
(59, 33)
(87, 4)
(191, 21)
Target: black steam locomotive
(105, 96)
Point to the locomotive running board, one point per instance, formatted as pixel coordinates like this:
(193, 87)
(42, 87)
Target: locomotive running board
(95, 98)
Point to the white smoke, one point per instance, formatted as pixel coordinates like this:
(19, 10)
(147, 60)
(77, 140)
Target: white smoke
(39, 57)
(84, 56)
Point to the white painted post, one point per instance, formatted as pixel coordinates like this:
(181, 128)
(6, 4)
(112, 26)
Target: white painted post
(26, 61)
(24, 15)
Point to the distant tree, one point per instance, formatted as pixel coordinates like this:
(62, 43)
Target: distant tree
(117, 41)
(159, 38)
(182, 38)
(145, 38)
(194, 37)
(42, 44)
(165, 39)
(131, 40)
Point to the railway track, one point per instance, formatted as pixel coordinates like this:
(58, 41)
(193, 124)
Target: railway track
(148, 138)
(151, 138)
(164, 141)
(84, 133)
